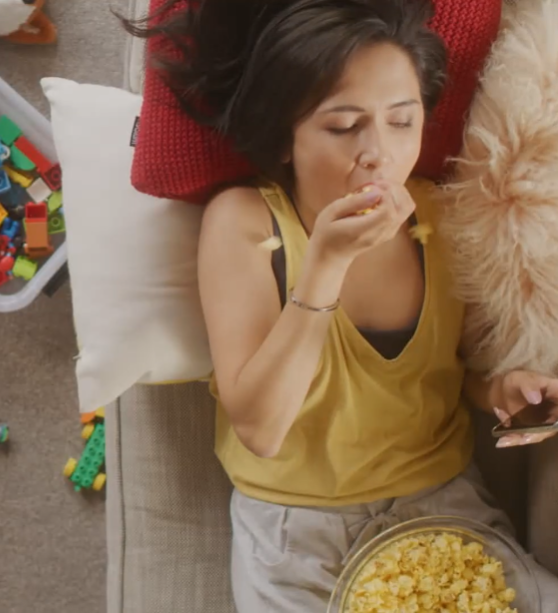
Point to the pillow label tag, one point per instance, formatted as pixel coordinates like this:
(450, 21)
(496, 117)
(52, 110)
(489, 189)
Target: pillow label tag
(135, 129)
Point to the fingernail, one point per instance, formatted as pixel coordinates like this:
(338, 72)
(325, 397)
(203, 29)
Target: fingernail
(534, 397)
(501, 415)
(507, 442)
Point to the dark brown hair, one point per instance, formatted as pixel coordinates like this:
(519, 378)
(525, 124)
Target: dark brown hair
(252, 69)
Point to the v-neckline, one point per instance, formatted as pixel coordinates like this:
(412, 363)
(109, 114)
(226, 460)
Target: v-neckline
(341, 314)
(356, 333)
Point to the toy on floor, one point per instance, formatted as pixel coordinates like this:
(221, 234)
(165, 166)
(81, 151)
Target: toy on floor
(87, 472)
(30, 203)
(23, 21)
(4, 433)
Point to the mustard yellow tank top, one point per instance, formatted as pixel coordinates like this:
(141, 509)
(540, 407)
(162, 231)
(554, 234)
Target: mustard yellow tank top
(370, 428)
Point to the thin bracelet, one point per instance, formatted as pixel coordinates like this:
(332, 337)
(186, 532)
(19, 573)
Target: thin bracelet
(307, 307)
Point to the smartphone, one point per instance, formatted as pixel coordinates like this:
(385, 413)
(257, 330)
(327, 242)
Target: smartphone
(532, 419)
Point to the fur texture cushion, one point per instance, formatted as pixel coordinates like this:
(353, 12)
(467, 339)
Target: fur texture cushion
(502, 215)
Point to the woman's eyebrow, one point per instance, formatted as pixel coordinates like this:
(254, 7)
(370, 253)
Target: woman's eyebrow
(398, 105)
(350, 108)
(344, 108)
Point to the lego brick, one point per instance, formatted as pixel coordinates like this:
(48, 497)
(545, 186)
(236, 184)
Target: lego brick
(53, 177)
(9, 131)
(18, 177)
(42, 163)
(92, 459)
(39, 191)
(10, 228)
(56, 224)
(35, 212)
(20, 160)
(7, 246)
(6, 263)
(17, 196)
(3, 214)
(37, 244)
(24, 268)
(4, 152)
(5, 184)
(54, 202)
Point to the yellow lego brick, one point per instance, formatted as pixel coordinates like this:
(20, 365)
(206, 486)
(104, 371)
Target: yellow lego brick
(18, 177)
(3, 214)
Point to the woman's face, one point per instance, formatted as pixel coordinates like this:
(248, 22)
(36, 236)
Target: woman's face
(369, 127)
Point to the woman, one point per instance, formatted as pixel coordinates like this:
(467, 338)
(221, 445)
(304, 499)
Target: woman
(336, 355)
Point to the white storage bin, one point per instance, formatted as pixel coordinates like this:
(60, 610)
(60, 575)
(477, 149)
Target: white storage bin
(17, 293)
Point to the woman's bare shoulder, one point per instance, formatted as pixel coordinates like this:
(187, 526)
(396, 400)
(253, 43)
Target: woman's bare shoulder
(239, 209)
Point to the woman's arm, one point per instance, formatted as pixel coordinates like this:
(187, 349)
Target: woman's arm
(264, 358)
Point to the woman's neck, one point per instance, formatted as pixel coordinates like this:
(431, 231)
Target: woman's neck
(305, 213)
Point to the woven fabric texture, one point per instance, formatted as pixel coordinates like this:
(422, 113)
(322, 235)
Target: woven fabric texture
(543, 504)
(177, 158)
(168, 499)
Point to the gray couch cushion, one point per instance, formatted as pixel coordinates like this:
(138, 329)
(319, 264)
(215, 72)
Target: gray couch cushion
(167, 504)
(543, 504)
(135, 50)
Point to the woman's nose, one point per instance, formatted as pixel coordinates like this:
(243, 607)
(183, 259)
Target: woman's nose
(374, 153)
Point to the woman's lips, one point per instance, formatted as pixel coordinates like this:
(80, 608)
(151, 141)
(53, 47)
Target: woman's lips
(367, 187)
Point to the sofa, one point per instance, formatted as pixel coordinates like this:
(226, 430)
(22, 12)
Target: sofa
(168, 527)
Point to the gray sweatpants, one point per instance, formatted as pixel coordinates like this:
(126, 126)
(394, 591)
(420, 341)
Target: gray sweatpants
(287, 559)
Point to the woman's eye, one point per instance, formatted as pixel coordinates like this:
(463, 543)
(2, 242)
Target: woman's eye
(401, 124)
(352, 128)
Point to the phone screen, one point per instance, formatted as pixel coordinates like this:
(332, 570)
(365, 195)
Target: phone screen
(531, 416)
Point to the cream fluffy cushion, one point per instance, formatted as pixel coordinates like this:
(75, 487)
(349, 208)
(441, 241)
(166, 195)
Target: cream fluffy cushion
(502, 218)
(132, 258)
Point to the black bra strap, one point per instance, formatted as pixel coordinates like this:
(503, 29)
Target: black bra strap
(279, 265)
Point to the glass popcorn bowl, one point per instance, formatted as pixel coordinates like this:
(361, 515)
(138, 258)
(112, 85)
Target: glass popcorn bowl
(516, 571)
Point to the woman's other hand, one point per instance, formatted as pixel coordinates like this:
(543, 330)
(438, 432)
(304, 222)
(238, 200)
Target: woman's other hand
(512, 392)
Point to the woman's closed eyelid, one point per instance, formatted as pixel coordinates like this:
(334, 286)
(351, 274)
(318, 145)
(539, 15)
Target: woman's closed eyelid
(342, 129)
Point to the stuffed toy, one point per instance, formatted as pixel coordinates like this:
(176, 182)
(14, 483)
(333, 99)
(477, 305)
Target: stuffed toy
(23, 21)
(502, 209)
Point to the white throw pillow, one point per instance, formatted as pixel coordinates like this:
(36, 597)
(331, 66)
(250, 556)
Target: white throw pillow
(132, 257)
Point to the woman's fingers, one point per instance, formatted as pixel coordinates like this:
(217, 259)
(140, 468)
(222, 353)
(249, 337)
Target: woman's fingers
(516, 440)
(503, 416)
(531, 388)
(522, 388)
(356, 203)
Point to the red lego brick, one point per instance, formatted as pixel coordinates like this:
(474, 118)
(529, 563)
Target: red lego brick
(43, 163)
(35, 212)
(53, 177)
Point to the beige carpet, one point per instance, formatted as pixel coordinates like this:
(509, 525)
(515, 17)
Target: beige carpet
(52, 541)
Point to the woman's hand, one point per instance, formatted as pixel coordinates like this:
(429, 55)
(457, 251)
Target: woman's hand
(512, 392)
(349, 226)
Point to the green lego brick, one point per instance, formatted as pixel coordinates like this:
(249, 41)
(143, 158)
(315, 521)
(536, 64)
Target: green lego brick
(24, 268)
(20, 160)
(91, 460)
(54, 202)
(9, 131)
(56, 224)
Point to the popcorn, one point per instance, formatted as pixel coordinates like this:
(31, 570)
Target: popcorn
(431, 572)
